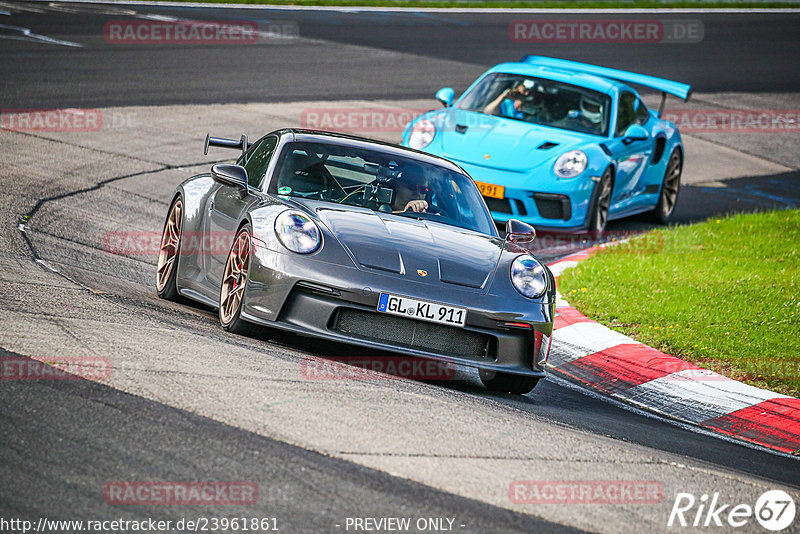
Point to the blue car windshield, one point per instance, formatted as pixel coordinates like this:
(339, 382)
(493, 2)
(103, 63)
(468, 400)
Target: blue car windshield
(540, 101)
(381, 181)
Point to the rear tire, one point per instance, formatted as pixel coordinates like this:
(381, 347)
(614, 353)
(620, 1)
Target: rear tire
(507, 382)
(670, 189)
(597, 217)
(167, 270)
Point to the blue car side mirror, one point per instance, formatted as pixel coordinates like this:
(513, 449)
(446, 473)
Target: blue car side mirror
(634, 133)
(446, 96)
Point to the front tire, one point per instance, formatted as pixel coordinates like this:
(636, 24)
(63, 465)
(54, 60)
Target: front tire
(670, 188)
(601, 201)
(234, 281)
(507, 382)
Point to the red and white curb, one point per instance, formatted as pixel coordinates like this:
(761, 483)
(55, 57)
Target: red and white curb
(583, 350)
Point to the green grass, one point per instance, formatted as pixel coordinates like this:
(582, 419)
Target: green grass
(724, 294)
(503, 4)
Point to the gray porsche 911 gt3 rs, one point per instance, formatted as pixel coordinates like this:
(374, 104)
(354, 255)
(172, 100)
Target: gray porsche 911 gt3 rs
(360, 242)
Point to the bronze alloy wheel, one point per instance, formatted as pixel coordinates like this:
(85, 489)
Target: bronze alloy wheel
(234, 278)
(170, 244)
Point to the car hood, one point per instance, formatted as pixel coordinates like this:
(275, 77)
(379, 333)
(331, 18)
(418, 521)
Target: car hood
(423, 250)
(501, 143)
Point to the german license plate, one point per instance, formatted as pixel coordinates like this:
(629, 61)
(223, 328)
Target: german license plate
(422, 310)
(491, 190)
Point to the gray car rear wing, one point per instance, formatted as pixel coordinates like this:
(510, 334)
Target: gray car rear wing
(241, 144)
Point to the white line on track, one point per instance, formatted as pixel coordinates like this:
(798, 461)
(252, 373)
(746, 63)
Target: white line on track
(356, 9)
(25, 34)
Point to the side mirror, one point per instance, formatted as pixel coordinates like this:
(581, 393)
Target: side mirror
(446, 96)
(519, 232)
(233, 175)
(634, 133)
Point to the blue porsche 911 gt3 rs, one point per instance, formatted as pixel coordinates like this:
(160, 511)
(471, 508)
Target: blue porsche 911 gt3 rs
(560, 144)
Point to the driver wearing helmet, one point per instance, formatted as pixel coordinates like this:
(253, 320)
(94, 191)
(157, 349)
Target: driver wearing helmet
(587, 118)
(591, 111)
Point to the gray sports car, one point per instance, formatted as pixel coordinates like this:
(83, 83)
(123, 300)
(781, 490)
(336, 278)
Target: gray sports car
(360, 242)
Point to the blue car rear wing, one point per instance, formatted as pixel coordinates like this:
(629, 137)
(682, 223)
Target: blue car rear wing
(681, 90)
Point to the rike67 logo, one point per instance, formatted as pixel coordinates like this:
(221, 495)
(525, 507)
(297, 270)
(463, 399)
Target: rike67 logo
(774, 510)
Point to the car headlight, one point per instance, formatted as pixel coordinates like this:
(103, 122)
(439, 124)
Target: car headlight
(528, 276)
(571, 164)
(297, 232)
(422, 133)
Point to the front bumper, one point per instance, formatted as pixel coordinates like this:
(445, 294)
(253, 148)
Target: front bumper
(297, 294)
(543, 202)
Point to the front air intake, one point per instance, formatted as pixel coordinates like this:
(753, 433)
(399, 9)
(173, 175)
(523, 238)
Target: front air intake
(419, 335)
(547, 145)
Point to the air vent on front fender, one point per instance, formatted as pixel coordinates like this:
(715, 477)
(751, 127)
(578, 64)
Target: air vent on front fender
(461, 128)
(547, 145)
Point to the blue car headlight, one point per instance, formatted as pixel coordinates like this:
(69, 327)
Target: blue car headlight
(571, 164)
(297, 232)
(528, 276)
(422, 134)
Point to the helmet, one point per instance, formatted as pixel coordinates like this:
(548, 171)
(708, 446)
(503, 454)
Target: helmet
(591, 109)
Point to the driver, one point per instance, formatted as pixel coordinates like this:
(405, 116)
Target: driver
(410, 189)
(587, 118)
(509, 102)
(591, 111)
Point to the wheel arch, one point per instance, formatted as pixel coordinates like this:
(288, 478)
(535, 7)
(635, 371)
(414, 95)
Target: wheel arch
(679, 148)
(244, 221)
(596, 191)
(611, 167)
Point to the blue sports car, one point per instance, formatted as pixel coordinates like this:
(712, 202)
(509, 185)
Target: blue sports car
(560, 144)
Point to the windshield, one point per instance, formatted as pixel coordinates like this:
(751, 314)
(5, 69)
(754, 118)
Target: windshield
(380, 181)
(540, 101)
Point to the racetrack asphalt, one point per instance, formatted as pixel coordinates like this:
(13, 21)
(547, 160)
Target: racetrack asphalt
(186, 401)
(345, 54)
